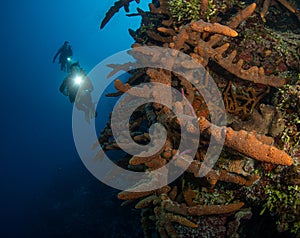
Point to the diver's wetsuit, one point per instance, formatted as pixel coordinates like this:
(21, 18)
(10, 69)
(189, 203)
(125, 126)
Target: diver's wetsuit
(65, 52)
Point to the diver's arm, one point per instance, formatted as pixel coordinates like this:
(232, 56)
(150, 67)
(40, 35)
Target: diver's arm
(57, 53)
(63, 88)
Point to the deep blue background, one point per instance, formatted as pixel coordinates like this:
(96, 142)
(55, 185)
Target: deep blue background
(43, 182)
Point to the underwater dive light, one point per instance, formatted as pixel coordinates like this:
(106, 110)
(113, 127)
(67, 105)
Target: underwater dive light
(78, 80)
(69, 58)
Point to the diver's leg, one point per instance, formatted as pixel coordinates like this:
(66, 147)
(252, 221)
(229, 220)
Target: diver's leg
(82, 107)
(72, 96)
(90, 105)
(63, 66)
(68, 66)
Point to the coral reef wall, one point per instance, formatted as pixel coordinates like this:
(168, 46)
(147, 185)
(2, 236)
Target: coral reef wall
(251, 50)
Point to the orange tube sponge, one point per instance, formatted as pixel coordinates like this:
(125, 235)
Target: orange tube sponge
(217, 28)
(214, 209)
(246, 143)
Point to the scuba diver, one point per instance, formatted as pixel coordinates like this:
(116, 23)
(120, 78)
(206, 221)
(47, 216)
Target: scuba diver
(78, 87)
(65, 56)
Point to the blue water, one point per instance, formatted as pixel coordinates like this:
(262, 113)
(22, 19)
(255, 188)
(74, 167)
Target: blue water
(45, 189)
